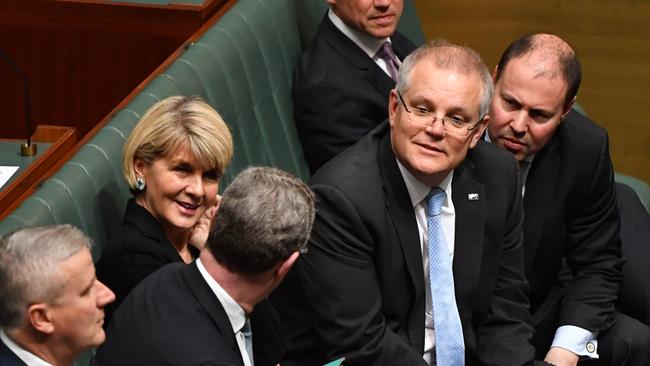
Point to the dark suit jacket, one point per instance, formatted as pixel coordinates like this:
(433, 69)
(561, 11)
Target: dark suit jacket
(339, 93)
(571, 214)
(634, 297)
(135, 251)
(363, 277)
(8, 358)
(174, 318)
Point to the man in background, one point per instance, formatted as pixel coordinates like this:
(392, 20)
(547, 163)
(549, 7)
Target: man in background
(214, 310)
(51, 304)
(571, 218)
(342, 81)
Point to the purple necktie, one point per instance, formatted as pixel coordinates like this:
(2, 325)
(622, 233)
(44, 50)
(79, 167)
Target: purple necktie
(392, 63)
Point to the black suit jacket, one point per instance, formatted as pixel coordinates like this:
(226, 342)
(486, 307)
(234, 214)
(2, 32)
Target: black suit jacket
(339, 93)
(363, 277)
(8, 358)
(571, 215)
(135, 251)
(174, 318)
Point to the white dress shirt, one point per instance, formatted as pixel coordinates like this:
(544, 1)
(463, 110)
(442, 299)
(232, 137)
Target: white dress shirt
(27, 357)
(370, 45)
(418, 192)
(235, 313)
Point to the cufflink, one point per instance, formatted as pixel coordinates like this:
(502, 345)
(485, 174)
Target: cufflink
(472, 196)
(591, 348)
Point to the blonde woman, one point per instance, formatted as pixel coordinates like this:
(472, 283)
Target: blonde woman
(172, 161)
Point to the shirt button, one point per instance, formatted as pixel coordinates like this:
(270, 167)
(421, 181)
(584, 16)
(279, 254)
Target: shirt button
(591, 348)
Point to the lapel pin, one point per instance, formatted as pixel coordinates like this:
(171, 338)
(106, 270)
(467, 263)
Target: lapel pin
(472, 196)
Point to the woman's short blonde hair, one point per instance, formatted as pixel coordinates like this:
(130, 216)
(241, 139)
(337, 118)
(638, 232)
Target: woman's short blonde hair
(169, 124)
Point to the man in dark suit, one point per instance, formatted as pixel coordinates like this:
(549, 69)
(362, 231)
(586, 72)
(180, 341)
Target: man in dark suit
(571, 218)
(51, 304)
(364, 290)
(342, 82)
(213, 311)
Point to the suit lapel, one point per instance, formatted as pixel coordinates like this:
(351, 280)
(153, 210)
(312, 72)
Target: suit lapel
(8, 358)
(540, 188)
(210, 303)
(398, 204)
(468, 245)
(356, 56)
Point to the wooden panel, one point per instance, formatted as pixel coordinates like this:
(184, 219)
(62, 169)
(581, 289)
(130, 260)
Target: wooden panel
(7, 208)
(60, 139)
(611, 37)
(84, 57)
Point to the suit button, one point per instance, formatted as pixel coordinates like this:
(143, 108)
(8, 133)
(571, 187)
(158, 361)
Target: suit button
(591, 348)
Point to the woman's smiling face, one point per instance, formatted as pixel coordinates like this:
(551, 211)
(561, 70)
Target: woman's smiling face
(178, 189)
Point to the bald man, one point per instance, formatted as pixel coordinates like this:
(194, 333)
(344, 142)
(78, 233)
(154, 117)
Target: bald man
(571, 223)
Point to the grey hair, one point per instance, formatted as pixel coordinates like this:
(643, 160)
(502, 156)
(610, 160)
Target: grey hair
(265, 215)
(449, 56)
(29, 260)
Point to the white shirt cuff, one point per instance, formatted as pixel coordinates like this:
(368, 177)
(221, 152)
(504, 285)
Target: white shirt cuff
(577, 340)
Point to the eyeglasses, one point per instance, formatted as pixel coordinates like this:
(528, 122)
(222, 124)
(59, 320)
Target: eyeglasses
(455, 126)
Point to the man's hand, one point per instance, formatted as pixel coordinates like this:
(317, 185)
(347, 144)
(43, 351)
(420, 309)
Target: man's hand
(202, 227)
(561, 357)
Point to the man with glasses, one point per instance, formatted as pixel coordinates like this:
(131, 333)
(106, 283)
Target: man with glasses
(571, 226)
(416, 256)
(341, 84)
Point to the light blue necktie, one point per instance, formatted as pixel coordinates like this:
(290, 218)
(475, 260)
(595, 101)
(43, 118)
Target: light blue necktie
(248, 339)
(450, 348)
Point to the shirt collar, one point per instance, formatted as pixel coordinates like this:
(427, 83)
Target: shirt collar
(370, 45)
(26, 356)
(418, 191)
(235, 312)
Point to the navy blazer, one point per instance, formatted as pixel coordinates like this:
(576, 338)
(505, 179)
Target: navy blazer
(339, 93)
(8, 358)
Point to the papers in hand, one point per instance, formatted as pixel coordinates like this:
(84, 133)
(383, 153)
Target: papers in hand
(338, 362)
(5, 173)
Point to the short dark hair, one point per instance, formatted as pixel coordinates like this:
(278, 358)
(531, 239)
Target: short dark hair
(568, 62)
(265, 215)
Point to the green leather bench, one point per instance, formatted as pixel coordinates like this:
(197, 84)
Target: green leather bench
(243, 65)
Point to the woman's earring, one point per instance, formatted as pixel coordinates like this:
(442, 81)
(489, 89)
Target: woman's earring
(139, 183)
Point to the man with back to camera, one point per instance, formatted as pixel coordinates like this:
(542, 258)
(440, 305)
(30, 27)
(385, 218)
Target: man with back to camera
(416, 255)
(213, 311)
(570, 207)
(52, 306)
(342, 81)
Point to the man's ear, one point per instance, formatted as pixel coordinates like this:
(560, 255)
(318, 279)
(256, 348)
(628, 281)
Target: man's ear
(40, 318)
(567, 108)
(393, 104)
(285, 266)
(479, 131)
(494, 74)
